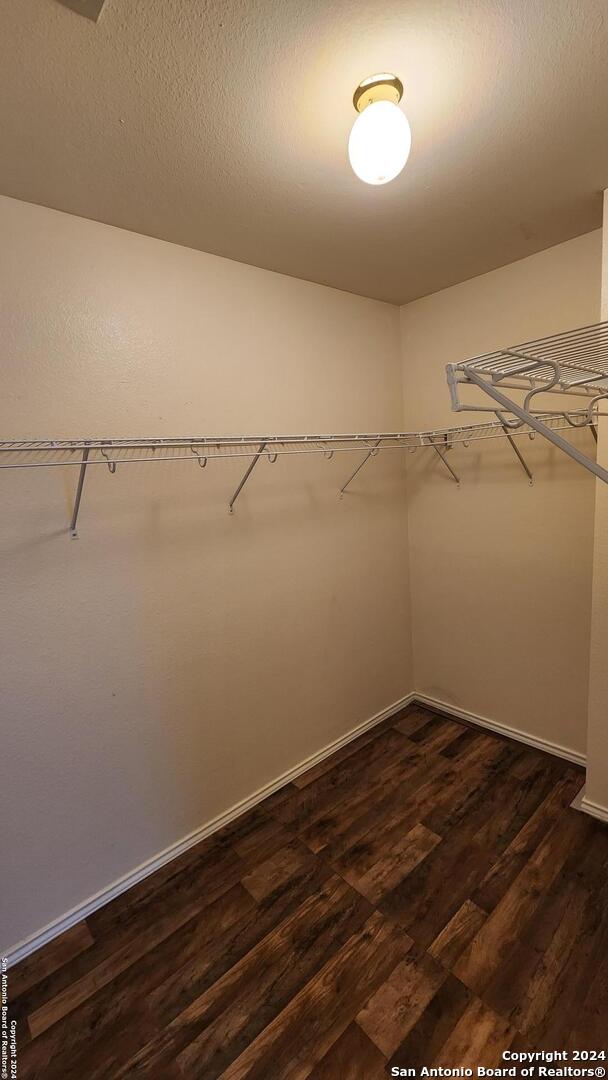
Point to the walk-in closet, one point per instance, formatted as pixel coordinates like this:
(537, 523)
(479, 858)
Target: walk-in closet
(304, 539)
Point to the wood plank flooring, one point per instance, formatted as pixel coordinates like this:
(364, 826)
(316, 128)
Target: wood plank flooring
(426, 896)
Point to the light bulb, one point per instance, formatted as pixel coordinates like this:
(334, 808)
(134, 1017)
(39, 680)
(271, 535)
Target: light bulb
(379, 143)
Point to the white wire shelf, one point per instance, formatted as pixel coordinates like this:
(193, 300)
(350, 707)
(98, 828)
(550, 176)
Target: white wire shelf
(44, 453)
(202, 450)
(574, 363)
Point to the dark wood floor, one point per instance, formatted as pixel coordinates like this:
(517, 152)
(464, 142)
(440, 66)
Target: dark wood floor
(425, 896)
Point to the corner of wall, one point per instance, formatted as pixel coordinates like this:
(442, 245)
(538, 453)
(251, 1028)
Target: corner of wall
(403, 383)
(596, 795)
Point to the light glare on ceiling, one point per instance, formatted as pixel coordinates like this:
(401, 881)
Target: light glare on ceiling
(380, 139)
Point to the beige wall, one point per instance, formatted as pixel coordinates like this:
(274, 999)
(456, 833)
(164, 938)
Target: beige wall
(501, 571)
(174, 659)
(596, 793)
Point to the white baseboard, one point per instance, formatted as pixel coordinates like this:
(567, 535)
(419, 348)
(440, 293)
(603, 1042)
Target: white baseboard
(502, 729)
(596, 810)
(577, 802)
(104, 896)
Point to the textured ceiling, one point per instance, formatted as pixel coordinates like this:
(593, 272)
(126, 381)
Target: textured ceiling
(223, 124)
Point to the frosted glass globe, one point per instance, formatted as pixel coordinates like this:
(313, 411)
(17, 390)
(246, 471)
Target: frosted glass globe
(379, 143)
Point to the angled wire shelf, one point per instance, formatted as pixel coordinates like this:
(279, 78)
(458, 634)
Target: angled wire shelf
(573, 363)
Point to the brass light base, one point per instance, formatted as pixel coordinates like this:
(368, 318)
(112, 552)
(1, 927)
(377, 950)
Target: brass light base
(383, 87)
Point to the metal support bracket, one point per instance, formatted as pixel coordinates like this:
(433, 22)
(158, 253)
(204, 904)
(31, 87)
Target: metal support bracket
(248, 473)
(592, 406)
(79, 487)
(372, 453)
(529, 418)
(441, 457)
(518, 454)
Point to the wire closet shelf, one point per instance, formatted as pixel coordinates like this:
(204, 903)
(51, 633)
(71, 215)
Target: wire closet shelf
(201, 450)
(44, 453)
(573, 364)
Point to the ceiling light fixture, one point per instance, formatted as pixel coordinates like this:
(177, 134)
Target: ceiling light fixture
(380, 139)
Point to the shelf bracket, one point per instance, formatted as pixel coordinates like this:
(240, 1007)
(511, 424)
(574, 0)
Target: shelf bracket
(372, 453)
(79, 487)
(248, 473)
(518, 454)
(592, 405)
(533, 421)
(441, 457)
